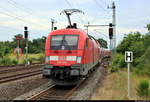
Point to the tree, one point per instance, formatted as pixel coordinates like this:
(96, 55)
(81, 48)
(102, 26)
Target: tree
(103, 43)
(129, 42)
(148, 27)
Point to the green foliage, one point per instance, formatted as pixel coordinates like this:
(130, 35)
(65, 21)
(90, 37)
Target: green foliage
(30, 60)
(140, 45)
(5, 61)
(148, 26)
(103, 43)
(142, 63)
(35, 46)
(119, 61)
(114, 69)
(24, 61)
(14, 61)
(41, 59)
(143, 88)
(128, 43)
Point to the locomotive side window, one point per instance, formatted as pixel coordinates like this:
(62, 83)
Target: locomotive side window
(64, 42)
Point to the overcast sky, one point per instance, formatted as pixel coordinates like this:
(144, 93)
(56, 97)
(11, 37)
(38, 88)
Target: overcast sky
(131, 16)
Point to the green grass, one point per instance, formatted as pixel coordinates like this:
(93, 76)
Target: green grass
(34, 58)
(115, 87)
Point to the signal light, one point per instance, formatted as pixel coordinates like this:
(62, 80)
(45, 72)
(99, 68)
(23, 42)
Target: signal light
(26, 32)
(110, 33)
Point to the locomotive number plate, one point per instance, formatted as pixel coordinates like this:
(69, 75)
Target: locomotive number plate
(62, 58)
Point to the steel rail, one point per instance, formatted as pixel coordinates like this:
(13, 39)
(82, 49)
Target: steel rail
(19, 76)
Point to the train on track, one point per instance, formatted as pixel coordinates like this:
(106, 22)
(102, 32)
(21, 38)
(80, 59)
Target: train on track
(70, 54)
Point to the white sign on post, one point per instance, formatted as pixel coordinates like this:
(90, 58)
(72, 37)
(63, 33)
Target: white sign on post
(128, 56)
(128, 59)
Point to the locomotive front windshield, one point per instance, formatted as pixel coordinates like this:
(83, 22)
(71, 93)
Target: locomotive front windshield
(64, 42)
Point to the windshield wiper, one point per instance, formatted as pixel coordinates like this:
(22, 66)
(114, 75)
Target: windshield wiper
(67, 45)
(63, 43)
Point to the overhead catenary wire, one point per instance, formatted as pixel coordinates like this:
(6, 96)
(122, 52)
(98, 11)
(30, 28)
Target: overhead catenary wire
(100, 7)
(17, 17)
(22, 7)
(98, 35)
(102, 34)
(22, 10)
(76, 2)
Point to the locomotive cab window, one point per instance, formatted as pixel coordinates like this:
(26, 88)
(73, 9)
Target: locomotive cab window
(64, 42)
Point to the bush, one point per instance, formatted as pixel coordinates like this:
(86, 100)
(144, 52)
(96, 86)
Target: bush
(143, 88)
(14, 61)
(5, 61)
(30, 60)
(24, 61)
(41, 59)
(114, 69)
(119, 61)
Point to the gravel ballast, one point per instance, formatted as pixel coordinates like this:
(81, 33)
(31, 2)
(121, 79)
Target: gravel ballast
(86, 90)
(11, 90)
(22, 89)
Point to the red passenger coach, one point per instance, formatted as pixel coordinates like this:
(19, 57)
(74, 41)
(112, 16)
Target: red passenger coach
(69, 55)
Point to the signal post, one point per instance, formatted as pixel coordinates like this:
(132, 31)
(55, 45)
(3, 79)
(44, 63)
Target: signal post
(128, 59)
(26, 38)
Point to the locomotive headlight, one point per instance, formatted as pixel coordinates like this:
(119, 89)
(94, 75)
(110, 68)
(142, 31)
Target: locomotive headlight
(78, 59)
(47, 59)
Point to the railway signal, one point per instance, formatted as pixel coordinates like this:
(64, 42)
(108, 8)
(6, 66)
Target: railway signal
(110, 33)
(113, 7)
(26, 32)
(26, 37)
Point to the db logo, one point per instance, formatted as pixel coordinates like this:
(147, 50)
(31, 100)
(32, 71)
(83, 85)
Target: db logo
(62, 58)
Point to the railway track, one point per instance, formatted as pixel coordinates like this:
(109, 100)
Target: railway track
(18, 66)
(56, 92)
(19, 76)
(17, 69)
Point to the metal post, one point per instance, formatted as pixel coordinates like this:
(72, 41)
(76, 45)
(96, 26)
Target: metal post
(52, 21)
(128, 79)
(111, 44)
(114, 23)
(52, 24)
(26, 50)
(26, 38)
(88, 27)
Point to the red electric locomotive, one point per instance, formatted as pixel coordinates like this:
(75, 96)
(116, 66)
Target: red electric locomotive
(69, 55)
